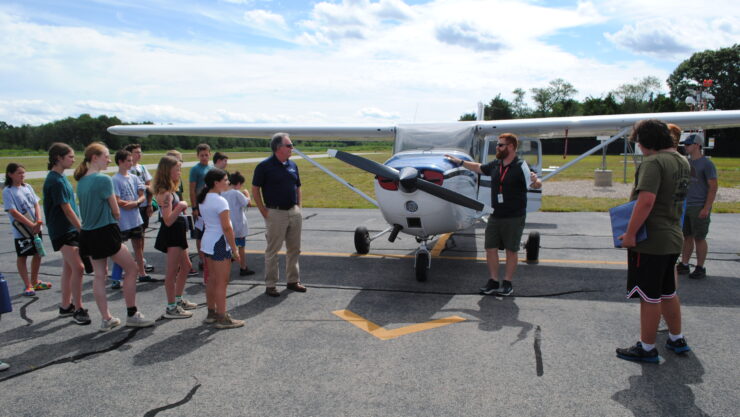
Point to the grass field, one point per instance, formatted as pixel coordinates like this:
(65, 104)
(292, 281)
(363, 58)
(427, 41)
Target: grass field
(321, 191)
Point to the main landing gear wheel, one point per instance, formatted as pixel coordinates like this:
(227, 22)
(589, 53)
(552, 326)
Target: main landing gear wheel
(533, 248)
(422, 266)
(362, 240)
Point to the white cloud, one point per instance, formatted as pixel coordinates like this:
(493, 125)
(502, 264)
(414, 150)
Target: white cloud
(32, 112)
(467, 36)
(428, 62)
(264, 20)
(673, 29)
(662, 38)
(376, 113)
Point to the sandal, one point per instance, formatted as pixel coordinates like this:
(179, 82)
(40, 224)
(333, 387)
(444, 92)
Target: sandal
(29, 292)
(41, 285)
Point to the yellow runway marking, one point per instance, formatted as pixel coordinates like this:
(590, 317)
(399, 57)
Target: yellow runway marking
(385, 334)
(440, 245)
(458, 258)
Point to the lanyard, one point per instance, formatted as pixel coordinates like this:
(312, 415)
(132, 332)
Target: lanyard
(502, 175)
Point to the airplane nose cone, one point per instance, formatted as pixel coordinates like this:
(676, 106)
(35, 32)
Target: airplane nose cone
(407, 179)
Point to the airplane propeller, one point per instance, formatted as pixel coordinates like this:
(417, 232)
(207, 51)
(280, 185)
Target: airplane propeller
(408, 178)
(366, 164)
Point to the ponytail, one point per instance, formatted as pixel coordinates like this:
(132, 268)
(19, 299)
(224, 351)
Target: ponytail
(56, 151)
(95, 148)
(212, 177)
(81, 170)
(201, 197)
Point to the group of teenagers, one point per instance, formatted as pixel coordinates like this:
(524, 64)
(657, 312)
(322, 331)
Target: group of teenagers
(91, 226)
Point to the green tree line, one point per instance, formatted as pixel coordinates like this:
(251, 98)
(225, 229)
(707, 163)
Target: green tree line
(556, 99)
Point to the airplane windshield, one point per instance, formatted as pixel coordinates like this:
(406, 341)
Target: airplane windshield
(528, 150)
(428, 137)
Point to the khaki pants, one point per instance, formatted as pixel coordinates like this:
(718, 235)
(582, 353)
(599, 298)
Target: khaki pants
(282, 226)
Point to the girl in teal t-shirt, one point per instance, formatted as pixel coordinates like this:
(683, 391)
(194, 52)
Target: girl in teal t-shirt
(101, 238)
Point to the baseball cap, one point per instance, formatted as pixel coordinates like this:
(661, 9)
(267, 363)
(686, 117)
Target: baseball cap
(694, 139)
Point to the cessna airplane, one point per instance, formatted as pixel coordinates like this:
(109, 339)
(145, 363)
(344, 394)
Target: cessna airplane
(423, 194)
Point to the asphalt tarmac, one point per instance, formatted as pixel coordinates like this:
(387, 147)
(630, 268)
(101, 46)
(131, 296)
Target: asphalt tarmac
(367, 339)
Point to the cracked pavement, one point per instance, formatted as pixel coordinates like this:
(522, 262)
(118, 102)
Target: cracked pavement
(547, 350)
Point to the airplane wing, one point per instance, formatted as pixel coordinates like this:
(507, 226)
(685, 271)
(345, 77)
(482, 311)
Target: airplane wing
(587, 126)
(543, 128)
(256, 131)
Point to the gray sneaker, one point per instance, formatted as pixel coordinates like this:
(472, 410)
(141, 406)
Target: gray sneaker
(177, 313)
(186, 304)
(138, 320)
(4, 366)
(226, 322)
(107, 325)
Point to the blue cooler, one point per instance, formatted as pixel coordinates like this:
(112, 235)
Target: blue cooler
(5, 305)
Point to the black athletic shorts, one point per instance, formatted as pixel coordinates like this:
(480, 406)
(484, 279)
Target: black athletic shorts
(70, 239)
(172, 236)
(136, 233)
(651, 277)
(25, 246)
(101, 243)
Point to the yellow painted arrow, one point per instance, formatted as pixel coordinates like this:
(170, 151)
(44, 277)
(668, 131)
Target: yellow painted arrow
(385, 334)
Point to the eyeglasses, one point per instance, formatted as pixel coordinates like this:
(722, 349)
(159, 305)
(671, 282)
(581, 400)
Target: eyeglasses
(290, 145)
(500, 145)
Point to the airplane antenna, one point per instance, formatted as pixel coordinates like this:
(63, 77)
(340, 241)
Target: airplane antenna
(481, 114)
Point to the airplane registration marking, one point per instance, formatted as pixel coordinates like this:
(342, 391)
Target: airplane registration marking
(385, 334)
(459, 258)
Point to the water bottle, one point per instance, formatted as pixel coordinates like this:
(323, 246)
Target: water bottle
(39, 245)
(117, 273)
(5, 304)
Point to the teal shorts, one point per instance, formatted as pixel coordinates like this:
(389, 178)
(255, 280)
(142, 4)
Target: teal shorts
(504, 233)
(693, 226)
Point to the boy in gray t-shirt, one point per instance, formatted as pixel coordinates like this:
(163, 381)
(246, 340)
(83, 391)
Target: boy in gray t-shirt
(701, 194)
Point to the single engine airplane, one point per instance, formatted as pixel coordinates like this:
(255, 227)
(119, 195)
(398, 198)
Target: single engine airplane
(423, 194)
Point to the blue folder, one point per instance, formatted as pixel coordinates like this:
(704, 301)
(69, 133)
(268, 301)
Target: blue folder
(620, 216)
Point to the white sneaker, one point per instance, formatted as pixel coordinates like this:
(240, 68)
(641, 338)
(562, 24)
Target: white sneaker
(4, 366)
(138, 320)
(177, 313)
(187, 305)
(107, 325)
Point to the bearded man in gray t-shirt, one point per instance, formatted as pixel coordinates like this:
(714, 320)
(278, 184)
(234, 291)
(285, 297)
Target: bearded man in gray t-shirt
(701, 194)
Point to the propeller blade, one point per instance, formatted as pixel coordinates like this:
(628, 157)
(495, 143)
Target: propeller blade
(365, 164)
(448, 195)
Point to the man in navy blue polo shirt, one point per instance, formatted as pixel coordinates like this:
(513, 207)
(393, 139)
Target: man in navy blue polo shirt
(276, 189)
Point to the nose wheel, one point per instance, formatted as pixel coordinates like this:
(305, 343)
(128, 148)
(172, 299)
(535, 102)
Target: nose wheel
(422, 262)
(362, 240)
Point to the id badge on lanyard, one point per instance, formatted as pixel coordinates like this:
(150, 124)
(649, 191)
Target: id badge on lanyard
(502, 175)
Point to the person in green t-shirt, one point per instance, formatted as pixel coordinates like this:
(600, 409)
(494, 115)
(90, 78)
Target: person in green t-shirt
(64, 225)
(661, 184)
(100, 237)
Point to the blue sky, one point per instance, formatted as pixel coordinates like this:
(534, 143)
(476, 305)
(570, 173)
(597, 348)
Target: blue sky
(328, 62)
